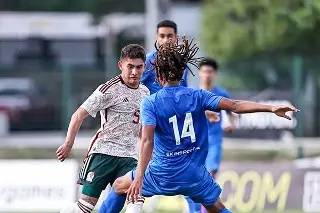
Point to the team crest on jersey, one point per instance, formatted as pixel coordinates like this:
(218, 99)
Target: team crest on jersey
(90, 176)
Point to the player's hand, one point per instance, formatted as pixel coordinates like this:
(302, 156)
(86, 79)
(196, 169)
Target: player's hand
(134, 191)
(229, 129)
(63, 151)
(282, 110)
(213, 117)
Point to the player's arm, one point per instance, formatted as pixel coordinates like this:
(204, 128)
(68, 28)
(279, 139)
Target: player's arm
(232, 118)
(74, 125)
(240, 107)
(213, 102)
(147, 136)
(213, 117)
(98, 100)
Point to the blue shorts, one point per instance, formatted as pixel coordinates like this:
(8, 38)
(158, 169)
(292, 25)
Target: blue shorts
(206, 191)
(214, 156)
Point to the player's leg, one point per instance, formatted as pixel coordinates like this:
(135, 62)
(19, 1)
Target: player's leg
(115, 202)
(214, 156)
(117, 197)
(122, 184)
(207, 192)
(149, 189)
(213, 161)
(132, 207)
(96, 173)
(193, 207)
(217, 207)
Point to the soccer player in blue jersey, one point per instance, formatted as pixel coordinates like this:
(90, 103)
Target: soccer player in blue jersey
(166, 32)
(208, 72)
(175, 131)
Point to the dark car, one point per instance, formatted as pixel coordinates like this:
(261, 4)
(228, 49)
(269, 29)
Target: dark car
(27, 106)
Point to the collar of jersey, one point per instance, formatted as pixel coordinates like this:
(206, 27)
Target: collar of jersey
(171, 86)
(122, 81)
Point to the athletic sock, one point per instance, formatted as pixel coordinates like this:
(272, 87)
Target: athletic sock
(85, 206)
(135, 207)
(113, 203)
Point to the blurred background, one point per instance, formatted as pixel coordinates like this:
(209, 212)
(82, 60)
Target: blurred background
(54, 53)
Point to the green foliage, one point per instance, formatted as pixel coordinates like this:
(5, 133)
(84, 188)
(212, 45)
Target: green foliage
(237, 29)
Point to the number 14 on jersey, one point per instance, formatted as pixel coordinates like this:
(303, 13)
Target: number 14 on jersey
(187, 130)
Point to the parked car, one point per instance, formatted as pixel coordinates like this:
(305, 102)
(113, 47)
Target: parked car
(27, 105)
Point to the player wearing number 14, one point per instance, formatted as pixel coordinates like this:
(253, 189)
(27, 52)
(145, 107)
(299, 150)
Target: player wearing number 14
(174, 129)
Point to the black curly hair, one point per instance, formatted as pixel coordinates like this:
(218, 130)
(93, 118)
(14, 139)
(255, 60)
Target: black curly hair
(173, 58)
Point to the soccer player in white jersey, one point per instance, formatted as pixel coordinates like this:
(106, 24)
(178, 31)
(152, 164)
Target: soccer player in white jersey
(112, 152)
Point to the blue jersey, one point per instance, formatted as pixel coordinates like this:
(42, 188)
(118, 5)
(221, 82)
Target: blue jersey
(181, 134)
(216, 128)
(149, 76)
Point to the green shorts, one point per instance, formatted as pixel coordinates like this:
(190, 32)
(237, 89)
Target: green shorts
(99, 170)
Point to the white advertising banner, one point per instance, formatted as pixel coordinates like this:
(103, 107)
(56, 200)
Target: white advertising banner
(37, 185)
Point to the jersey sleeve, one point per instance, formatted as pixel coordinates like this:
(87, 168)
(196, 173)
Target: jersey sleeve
(210, 101)
(147, 113)
(98, 100)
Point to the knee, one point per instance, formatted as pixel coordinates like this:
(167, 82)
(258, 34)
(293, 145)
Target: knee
(119, 186)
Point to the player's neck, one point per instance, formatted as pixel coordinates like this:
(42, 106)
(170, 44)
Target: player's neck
(130, 85)
(171, 83)
(206, 86)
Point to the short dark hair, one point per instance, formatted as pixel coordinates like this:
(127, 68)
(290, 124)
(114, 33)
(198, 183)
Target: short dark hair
(173, 58)
(168, 23)
(209, 62)
(133, 51)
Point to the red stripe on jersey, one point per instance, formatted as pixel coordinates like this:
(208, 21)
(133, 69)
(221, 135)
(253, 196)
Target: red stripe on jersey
(107, 85)
(109, 82)
(93, 141)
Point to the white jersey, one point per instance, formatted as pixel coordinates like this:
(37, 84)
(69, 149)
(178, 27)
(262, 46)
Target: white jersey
(119, 107)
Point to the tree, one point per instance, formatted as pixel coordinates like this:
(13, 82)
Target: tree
(244, 28)
(263, 31)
